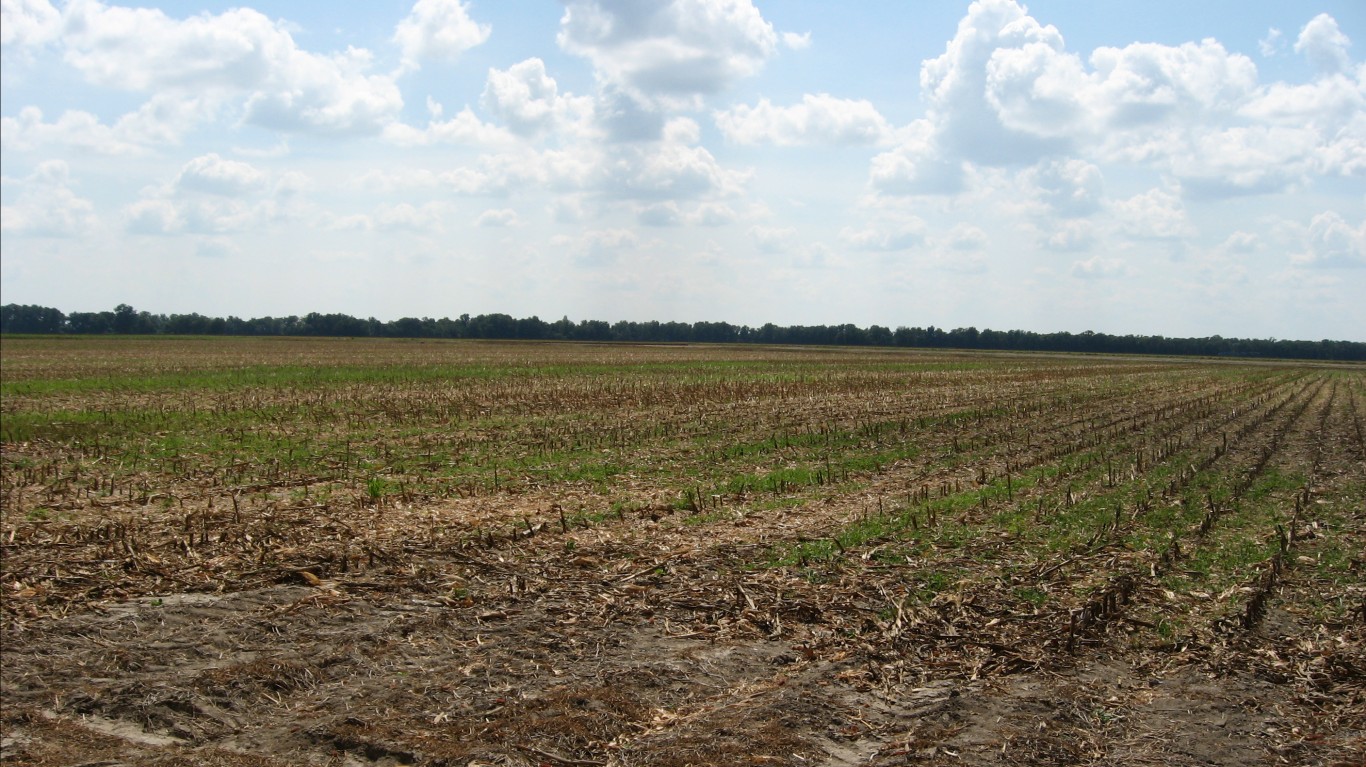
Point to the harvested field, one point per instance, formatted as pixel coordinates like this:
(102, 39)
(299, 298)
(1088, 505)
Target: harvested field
(367, 552)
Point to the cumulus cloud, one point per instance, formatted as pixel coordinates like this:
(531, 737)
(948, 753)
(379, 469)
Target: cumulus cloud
(966, 85)
(965, 122)
(1070, 236)
(429, 217)
(918, 164)
(74, 128)
(771, 239)
(28, 23)
(889, 236)
(1067, 187)
(1324, 44)
(1098, 268)
(667, 171)
(818, 119)
(465, 128)
(153, 216)
(1332, 242)
(527, 100)
(661, 214)
(712, 214)
(1156, 214)
(599, 247)
(496, 175)
(157, 123)
(239, 56)
(1240, 242)
(1007, 92)
(215, 195)
(674, 51)
(1246, 160)
(1271, 44)
(440, 29)
(193, 216)
(502, 217)
(46, 206)
(965, 237)
(214, 175)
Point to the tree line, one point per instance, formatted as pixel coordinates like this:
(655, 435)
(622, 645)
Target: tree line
(124, 319)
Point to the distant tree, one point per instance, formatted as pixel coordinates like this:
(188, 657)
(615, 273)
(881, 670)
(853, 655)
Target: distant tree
(15, 318)
(93, 323)
(125, 319)
(880, 336)
(31, 319)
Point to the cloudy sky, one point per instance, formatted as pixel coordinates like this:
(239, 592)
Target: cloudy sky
(1169, 167)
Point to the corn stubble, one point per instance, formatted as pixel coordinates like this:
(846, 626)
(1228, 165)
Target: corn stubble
(508, 553)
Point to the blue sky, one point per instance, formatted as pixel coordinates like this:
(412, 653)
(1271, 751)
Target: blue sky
(1185, 169)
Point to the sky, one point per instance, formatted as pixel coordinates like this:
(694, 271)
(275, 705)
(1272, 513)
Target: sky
(1168, 168)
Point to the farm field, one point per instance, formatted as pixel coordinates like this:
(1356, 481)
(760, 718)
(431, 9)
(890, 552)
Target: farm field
(380, 552)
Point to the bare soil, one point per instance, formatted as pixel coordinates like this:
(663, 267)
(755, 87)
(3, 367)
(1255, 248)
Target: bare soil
(664, 638)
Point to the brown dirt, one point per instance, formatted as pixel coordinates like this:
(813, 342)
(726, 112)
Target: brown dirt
(647, 639)
(541, 660)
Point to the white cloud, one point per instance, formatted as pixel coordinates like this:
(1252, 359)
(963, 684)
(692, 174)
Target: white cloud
(1155, 214)
(964, 237)
(965, 123)
(673, 51)
(46, 205)
(502, 217)
(667, 171)
(661, 214)
(1325, 106)
(1271, 44)
(965, 86)
(1324, 44)
(412, 218)
(1331, 242)
(75, 128)
(153, 216)
(818, 119)
(772, 239)
(1067, 187)
(215, 247)
(192, 216)
(797, 42)
(890, 236)
(325, 95)
(528, 101)
(28, 23)
(1240, 242)
(682, 130)
(293, 183)
(957, 262)
(712, 214)
(214, 175)
(465, 128)
(599, 247)
(918, 165)
(567, 209)
(493, 175)
(1007, 92)
(439, 29)
(238, 56)
(215, 195)
(156, 124)
(1147, 83)
(1245, 160)
(358, 222)
(1098, 267)
(1070, 236)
